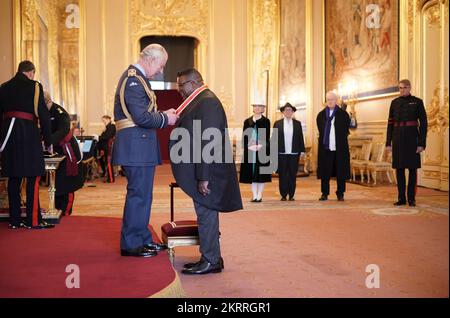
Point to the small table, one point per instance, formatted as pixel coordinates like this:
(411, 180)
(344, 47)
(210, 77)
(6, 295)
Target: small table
(52, 215)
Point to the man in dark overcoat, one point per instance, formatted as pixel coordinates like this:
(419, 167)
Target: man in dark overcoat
(210, 182)
(22, 107)
(334, 155)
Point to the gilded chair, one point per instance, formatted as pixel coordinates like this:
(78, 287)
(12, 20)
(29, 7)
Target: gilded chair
(380, 162)
(362, 158)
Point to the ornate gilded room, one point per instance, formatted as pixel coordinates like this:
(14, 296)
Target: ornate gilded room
(256, 59)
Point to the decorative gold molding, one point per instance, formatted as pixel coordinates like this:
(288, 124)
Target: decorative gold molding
(433, 15)
(171, 18)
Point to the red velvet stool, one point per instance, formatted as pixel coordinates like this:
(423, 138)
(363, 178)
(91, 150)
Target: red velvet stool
(178, 233)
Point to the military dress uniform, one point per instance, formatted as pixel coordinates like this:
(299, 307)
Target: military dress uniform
(69, 176)
(104, 146)
(407, 130)
(21, 107)
(136, 149)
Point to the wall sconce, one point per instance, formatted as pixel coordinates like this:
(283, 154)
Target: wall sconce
(348, 93)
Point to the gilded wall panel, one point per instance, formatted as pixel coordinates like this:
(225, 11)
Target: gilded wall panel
(264, 28)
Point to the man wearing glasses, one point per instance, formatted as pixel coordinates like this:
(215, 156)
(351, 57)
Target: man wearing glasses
(406, 137)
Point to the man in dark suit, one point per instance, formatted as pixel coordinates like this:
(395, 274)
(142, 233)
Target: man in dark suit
(69, 176)
(104, 144)
(21, 106)
(136, 147)
(290, 146)
(407, 138)
(334, 155)
(211, 181)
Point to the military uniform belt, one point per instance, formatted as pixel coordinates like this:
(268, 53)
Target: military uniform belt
(124, 123)
(21, 115)
(405, 124)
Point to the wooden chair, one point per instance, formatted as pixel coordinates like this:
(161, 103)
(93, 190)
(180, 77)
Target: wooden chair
(362, 158)
(178, 233)
(379, 163)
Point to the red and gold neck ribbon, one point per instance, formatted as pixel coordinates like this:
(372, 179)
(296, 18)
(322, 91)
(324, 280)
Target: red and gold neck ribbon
(191, 97)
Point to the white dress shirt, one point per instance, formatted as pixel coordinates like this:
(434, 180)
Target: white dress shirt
(332, 136)
(288, 130)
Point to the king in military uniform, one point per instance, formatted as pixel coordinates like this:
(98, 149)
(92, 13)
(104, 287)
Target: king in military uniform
(136, 147)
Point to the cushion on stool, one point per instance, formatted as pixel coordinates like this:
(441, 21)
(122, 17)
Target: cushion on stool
(180, 228)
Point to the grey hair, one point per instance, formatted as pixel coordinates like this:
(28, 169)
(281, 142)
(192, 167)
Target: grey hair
(332, 93)
(153, 52)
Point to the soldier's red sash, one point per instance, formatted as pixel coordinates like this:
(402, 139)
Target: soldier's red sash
(71, 160)
(21, 115)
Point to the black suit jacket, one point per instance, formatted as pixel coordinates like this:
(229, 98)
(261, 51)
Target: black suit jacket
(298, 143)
(205, 111)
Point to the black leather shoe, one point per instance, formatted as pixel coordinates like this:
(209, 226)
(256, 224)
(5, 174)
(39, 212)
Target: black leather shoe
(291, 199)
(254, 201)
(191, 265)
(155, 246)
(202, 268)
(139, 252)
(283, 199)
(15, 227)
(324, 197)
(259, 201)
(340, 197)
(40, 226)
(412, 203)
(400, 202)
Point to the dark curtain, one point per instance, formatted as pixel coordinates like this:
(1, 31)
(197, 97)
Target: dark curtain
(166, 99)
(180, 50)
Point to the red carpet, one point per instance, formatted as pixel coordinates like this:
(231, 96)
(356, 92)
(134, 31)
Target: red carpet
(33, 262)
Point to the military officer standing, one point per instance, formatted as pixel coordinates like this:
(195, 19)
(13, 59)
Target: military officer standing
(136, 147)
(21, 107)
(69, 176)
(104, 146)
(406, 136)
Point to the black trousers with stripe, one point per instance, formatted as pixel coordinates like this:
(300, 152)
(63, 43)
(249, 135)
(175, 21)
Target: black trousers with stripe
(65, 203)
(34, 216)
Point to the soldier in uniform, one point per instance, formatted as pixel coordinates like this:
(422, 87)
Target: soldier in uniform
(21, 107)
(104, 144)
(136, 147)
(406, 137)
(69, 176)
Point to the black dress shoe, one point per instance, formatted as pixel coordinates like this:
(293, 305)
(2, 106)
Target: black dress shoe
(340, 198)
(412, 203)
(254, 201)
(139, 252)
(40, 226)
(283, 199)
(155, 246)
(400, 202)
(15, 226)
(204, 267)
(324, 197)
(191, 265)
(291, 199)
(259, 201)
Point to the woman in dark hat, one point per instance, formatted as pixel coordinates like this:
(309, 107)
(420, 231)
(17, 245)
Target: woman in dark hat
(290, 146)
(256, 141)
